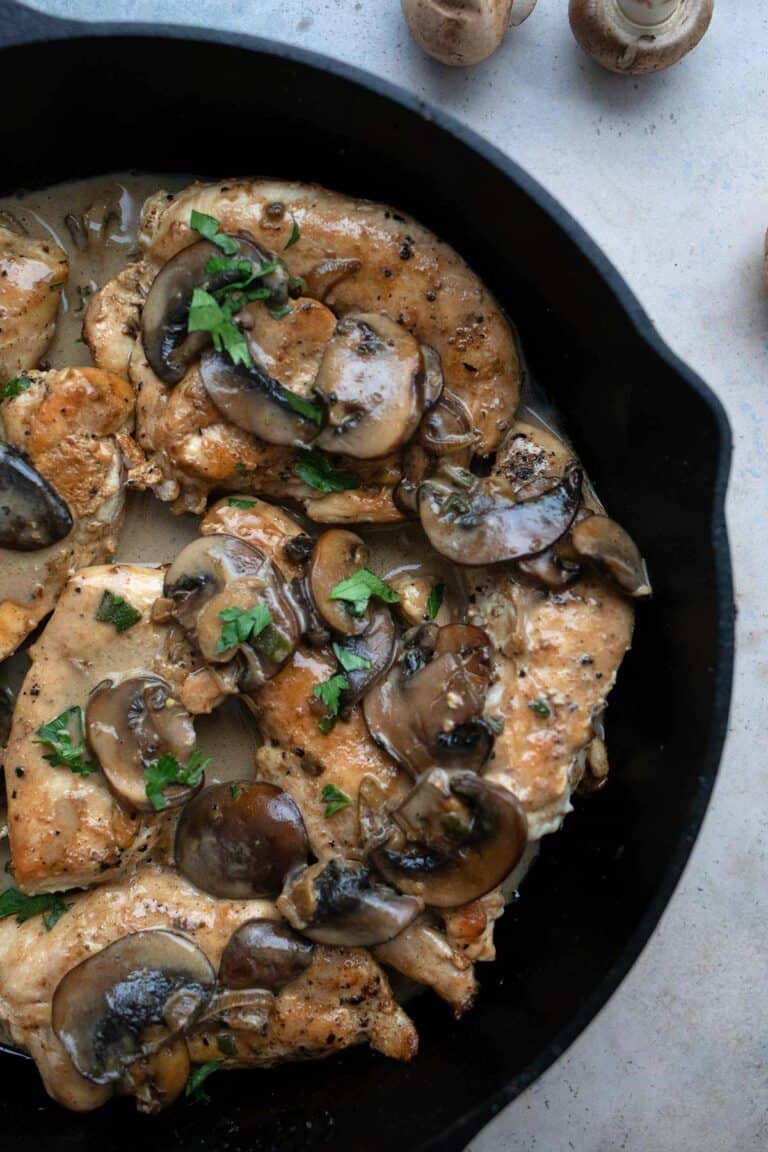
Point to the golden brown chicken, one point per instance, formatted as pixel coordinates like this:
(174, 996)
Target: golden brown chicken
(31, 274)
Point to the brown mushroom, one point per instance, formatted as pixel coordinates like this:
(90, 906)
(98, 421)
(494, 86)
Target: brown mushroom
(463, 32)
(130, 724)
(217, 577)
(372, 378)
(429, 709)
(263, 954)
(474, 520)
(130, 1000)
(602, 540)
(465, 835)
(158, 1079)
(32, 514)
(240, 840)
(342, 902)
(367, 657)
(634, 37)
(447, 428)
(336, 556)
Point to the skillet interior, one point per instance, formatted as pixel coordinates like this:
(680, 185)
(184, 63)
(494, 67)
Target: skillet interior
(657, 446)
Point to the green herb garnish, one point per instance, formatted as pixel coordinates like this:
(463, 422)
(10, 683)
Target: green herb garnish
(226, 1044)
(235, 791)
(329, 693)
(540, 707)
(15, 387)
(296, 284)
(23, 907)
(241, 624)
(167, 770)
(357, 590)
(435, 600)
(115, 610)
(317, 471)
(294, 237)
(279, 313)
(304, 407)
(349, 660)
(209, 227)
(241, 503)
(240, 468)
(194, 1088)
(64, 736)
(334, 800)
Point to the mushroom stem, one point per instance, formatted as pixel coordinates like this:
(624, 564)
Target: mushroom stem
(648, 12)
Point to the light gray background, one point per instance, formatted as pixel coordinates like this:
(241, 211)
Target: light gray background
(670, 175)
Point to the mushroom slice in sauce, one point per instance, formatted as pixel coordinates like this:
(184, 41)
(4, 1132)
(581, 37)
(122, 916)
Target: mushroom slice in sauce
(477, 521)
(32, 514)
(466, 835)
(377, 647)
(129, 725)
(336, 556)
(251, 399)
(220, 574)
(602, 540)
(447, 427)
(158, 1079)
(129, 1000)
(240, 840)
(343, 902)
(429, 708)
(372, 378)
(263, 954)
(169, 348)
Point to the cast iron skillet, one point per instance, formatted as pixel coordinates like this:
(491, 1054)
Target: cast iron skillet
(653, 437)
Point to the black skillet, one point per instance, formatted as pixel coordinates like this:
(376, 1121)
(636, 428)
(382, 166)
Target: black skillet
(654, 439)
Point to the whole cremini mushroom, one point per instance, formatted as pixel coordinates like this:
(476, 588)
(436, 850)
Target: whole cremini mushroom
(463, 32)
(634, 37)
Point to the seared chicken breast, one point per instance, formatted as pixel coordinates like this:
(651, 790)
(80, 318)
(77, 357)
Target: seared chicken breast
(31, 274)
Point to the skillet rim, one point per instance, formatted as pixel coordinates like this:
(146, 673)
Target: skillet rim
(20, 27)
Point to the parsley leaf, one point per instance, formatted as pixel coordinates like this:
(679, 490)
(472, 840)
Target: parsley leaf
(235, 791)
(15, 387)
(304, 407)
(23, 907)
(194, 1088)
(64, 736)
(540, 707)
(241, 503)
(329, 693)
(208, 226)
(241, 624)
(167, 770)
(334, 800)
(357, 590)
(279, 313)
(115, 610)
(317, 471)
(206, 314)
(350, 661)
(294, 237)
(435, 600)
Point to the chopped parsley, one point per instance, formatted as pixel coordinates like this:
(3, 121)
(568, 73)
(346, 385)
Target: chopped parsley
(435, 600)
(240, 468)
(317, 471)
(296, 284)
(15, 387)
(235, 791)
(23, 907)
(167, 770)
(329, 693)
(357, 591)
(207, 314)
(194, 1088)
(279, 313)
(209, 227)
(115, 610)
(540, 707)
(64, 736)
(304, 407)
(294, 237)
(241, 503)
(241, 624)
(334, 800)
(349, 660)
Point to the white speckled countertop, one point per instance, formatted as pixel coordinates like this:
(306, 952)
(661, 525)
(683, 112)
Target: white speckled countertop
(670, 176)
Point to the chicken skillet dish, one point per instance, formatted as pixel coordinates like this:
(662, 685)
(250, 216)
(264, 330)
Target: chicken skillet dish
(322, 617)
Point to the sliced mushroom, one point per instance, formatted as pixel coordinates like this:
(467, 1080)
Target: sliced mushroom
(251, 399)
(32, 514)
(466, 835)
(129, 1000)
(240, 840)
(323, 277)
(473, 520)
(432, 378)
(169, 348)
(602, 540)
(158, 1079)
(264, 954)
(447, 427)
(219, 572)
(342, 902)
(377, 646)
(417, 466)
(372, 378)
(246, 1009)
(429, 708)
(129, 725)
(337, 555)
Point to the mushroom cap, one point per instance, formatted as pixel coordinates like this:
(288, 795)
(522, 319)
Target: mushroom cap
(263, 954)
(32, 514)
(462, 32)
(607, 31)
(602, 540)
(336, 556)
(128, 1000)
(252, 400)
